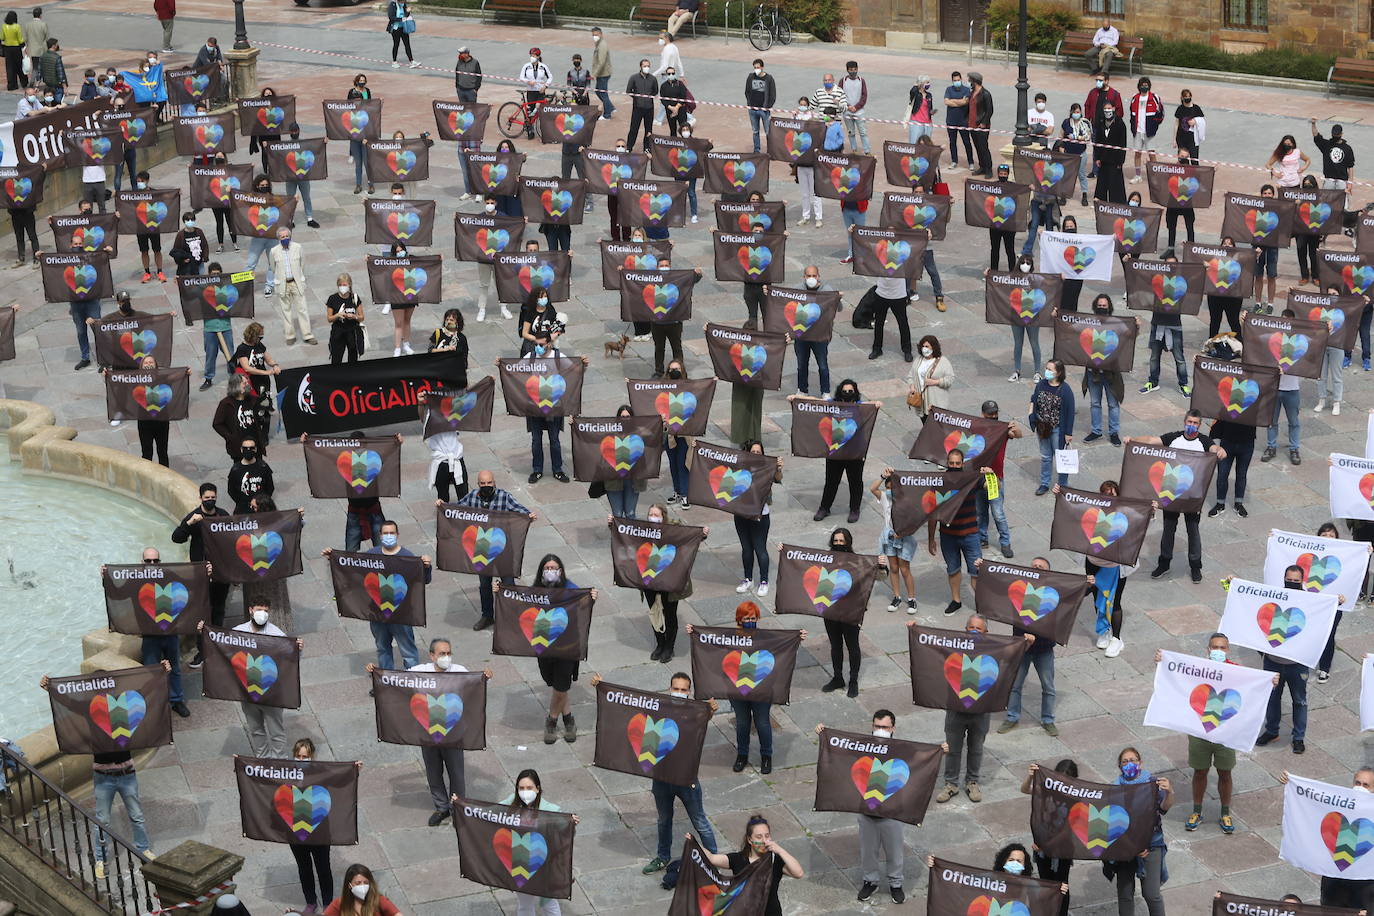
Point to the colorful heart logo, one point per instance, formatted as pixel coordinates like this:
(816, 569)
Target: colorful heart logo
(408, 281)
(18, 189)
(754, 222)
(259, 551)
(682, 160)
(150, 213)
(934, 499)
(196, 85)
(985, 905)
(138, 344)
(493, 173)
(96, 147)
(651, 739)
(676, 408)
(546, 390)
(299, 162)
(738, 173)
(655, 206)
(1183, 189)
(1237, 395)
(826, 586)
(878, 780)
(1128, 231)
(800, 316)
(712, 901)
(437, 715)
(919, 217)
(221, 186)
(209, 136)
(403, 223)
(1102, 529)
(556, 203)
(88, 238)
(754, 259)
(1287, 349)
(661, 298)
(271, 118)
(221, 299)
(728, 484)
(652, 559)
(359, 469)
(622, 452)
(257, 673)
(1098, 827)
(492, 240)
(1261, 222)
(646, 261)
(1032, 602)
(1346, 840)
(569, 124)
(355, 122)
(455, 408)
(892, 255)
(483, 545)
(1358, 279)
(746, 670)
(1028, 303)
(303, 809)
(970, 676)
(845, 180)
(971, 444)
(748, 359)
(1079, 259)
(1214, 706)
(614, 173)
(1098, 345)
(1170, 481)
(521, 853)
(460, 121)
(798, 144)
(386, 591)
(999, 208)
(1314, 215)
(1222, 272)
(915, 168)
(1047, 174)
(152, 398)
(543, 626)
(1367, 488)
(836, 431)
(540, 276)
(263, 218)
(163, 603)
(1279, 624)
(118, 715)
(1318, 571)
(1169, 291)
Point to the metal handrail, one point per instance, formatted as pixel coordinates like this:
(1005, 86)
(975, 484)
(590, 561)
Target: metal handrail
(51, 825)
(743, 30)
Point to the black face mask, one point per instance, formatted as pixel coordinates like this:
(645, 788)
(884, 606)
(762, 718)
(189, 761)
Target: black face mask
(847, 394)
(839, 547)
(151, 562)
(248, 454)
(674, 373)
(207, 505)
(487, 493)
(1297, 586)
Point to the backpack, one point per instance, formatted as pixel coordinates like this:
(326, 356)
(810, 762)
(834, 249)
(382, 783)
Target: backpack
(865, 310)
(834, 136)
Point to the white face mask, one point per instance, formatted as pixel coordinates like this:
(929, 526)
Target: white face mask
(662, 41)
(1024, 268)
(656, 519)
(443, 662)
(882, 733)
(1039, 106)
(528, 796)
(681, 695)
(685, 132)
(260, 618)
(758, 71)
(1361, 789)
(927, 352)
(596, 38)
(620, 149)
(343, 290)
(534, 60)
(490, 208)
(550, 576)
(360, 890)
(813, 282)
(643, 69)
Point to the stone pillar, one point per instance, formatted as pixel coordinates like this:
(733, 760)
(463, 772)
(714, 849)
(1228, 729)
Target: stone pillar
(243, 72)
(189, 871)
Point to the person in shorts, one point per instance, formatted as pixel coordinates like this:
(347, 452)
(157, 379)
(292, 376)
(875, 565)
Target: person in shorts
(898, 550)
(1147, 113)
(959, 536)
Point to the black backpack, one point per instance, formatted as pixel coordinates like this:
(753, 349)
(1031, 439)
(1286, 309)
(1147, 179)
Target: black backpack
(866, 310)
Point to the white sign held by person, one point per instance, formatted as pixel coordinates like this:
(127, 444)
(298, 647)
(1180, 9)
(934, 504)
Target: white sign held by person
(1328, 565)
(1215, 701)
(1367, 693)
(1326, 829)
(1076, 256)
(1286, 623)
(1369, 436)
(1352, 486)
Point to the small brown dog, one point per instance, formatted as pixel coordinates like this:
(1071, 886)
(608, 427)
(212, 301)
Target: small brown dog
(617, 347)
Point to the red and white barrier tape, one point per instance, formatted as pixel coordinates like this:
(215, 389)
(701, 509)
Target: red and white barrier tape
(203, 898)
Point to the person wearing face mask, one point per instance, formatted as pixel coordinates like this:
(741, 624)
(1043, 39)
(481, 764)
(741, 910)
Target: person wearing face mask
(601, 71)
(746, 711)
(623, 495)
(359, 896)
(286, 262)
(1287, 163)
(542, 347)
(1238, 441)
(897, 551)
(760, 95)
(486, 272)
(400, 23)
(1000, 239)
(1351, 893)
(344, 314)
(1166, 333)
(535, 77)
(30, 103)
(448, 472)
(666, 334)
(1071, 287)
(890, 293)
(1190, 438)
(668, 56)
(1291, 674)
(992, 498)
(257, 246)
(1040, 119)
(844, 637)
(1099, 384)
(509, 204)
(1172, 215)
(1189, 128)
(979, 123)
(1052, 869)
(384, 634)
(1109, 153)
(449, 338)
(467, 76)
(932, 375)
(53, 72)
(539, 320)
(1051, 416)
(238, 416)
(1041, 655)
(1147, 113)
(529, 793)
(955, 99)
(677, 447)
(149, 241)
(557, 674)
(190, 247)
(294, 185)
(958, 538)
(663, 605)
(491, 497)
(806, 174)
(264, 724)
(642, 89)
(312, 862)
(758, 843)
(753, 534)
(357, 149)
(829, 101)
(188, 531)
(847, 392)
(157, 650)
(1025, 264)
(258, 143)
(1148, 868)
(209, 53)
(250, 478)
(153, 433)
(675, 96)
(805, 349)
(1012, 859)
(256, 366)
(1075, 133)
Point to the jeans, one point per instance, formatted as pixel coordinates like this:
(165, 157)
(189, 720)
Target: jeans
(1290, 402)
(304, 187)
(955, 133)
(1239, 455)
(1047, 446)
(804, 350)
(964, 547)
(747, 713)
(80, 311)
(1044, 670)
(602, 92)
(1097, 390)
(690, 796)
(753, 544)
(1041, 214)
(928, 265)
(691, 196)
(353, 529)
(855, 121)
(915, 130)
(554, 429)
(210, 344)
(1019, 333)
(995, 508)
(758, 119)
(441, 761)
(157, 648)
(256, 249)
(1176, 347)
(959, 727)
(465, 147)
(1166, 541)
(1294, 677)
(1366, 317)
(623, 501)
(851, 217)
(382, 636)
(359, 154)
(1083, 172)
(1331, 383)
(485, 595)
(1153, 866)
(130, 161)
(677, 464)
(126, 787)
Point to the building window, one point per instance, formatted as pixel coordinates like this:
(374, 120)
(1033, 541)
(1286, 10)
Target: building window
(1247, 14)
(1106, 7)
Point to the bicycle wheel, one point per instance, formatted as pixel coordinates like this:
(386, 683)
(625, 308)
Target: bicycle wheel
(510, 120)
(784, 30)
(760, 36)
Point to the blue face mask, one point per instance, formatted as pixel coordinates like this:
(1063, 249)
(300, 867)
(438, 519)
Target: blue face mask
(1217, 655)
(1190, 429)
(1130, 769)
(829, 85)
(749, 624)
(1013, 867)
(388, 540)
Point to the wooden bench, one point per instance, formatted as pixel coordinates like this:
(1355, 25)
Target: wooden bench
(1351, 71)
(521, 7)
(653, 14)
(1075, 44)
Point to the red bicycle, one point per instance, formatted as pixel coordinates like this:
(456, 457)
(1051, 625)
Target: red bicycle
(522, 117)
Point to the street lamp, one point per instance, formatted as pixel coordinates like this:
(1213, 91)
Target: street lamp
(1022, 136)
(241, 30)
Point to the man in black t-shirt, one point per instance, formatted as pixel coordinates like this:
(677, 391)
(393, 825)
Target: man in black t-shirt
(1338, 159)
(190, 530)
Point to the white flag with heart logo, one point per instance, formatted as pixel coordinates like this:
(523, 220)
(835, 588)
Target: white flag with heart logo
(1076, 256)
(1328, 830)
(1214, 701)
(1352, 486)
(1290, 624)
(1367, 693)
(1329, 565)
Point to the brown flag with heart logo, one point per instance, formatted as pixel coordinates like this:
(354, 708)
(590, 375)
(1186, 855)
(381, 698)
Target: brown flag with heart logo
(431, 708)
(963, 672)
(148, 394)
(82, 232)
(398, 160)
(919, 497)
(876, 777)
(265, 116)
(378, 587)
(1001, 205)
(462, 121)
(21, 188)
(251, 668)
(403, 222)
(137, 126)
(957, 890)
(189, 85)
(649, 734)
(832, 430)
(555, 201)
(1100, 527)
(703, 888)
(1021, 299)
(298, 160)
(452, 410)
(736, 173)
(518, 274)
(751, 216)
(1077, 819)
(794, 141)
(801, 314)
(521, 849)
(1040, 601)
(605, 169)
(157, 599)
(944, 430)
(94, 147)
(1225, 904)
(1351, 273)
(343, 468)
(211, 184)
(679, 158)
(732, 663)
(825, 583)
(1342, 312)
(254, 547)
(652, 204)
(535, 622)
(481, 238)
(915, 166)
(207, 296)
(406, 280)
(657, 296)
(1167, 287)
(1177, 479)
(541, 387)
(205, 135)
(481, 542)
(1294, 346)
(1317, 211)
(1264, 222)
(574, 125)
(617, 257)
(1238, 392)
(152, 212)
(76, 277)
(1095, 341)
(106, 712)
(1177, 186)
(299, 802)
(888, 252)
(733, 481)
(684, 404)
(755, 257)
(844, 176)
(121, 343)
(617, 448)
(260, 215)
(7, 314)
(1048, 172)
(352, 119)
(1229, 271)
(752, 358)
(653, 556)
(494, 173)
(1136, 229)
(917, 211)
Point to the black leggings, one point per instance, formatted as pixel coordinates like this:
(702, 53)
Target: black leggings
(1171, 216)
(834, 470)
(24, 224)
(1307, 255)
(345, 339)
(443, 481)
(669, 334)
(221, 218)
(153, 434)
(1217, 306)
(753, 543)
(318, 856)
(1006, 240)
(401, 37)
(898, 309)
(843, 636)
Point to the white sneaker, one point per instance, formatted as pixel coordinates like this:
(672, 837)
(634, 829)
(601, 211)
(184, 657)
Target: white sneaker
(1135, 180)
(481, 313)
(915, 297)
(605, 118)
(115, 422)
(1103, 640)
(819, 223)
(395, 65)
(694, 217)
(505, 312)
(396, 352)
(804, 221)
(1114, 647)
(415, 63)
(465, 196)
(1321, 405)
(1335, 408)
(642, 338)
(1014, 377)
(763, 590)
(744, 586)
(386, 308)
(406, 349)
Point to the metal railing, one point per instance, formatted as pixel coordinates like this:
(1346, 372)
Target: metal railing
(971, 24)
(65, 836)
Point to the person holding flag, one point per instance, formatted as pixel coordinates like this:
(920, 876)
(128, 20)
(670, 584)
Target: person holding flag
(758, 842)
(1148, 867)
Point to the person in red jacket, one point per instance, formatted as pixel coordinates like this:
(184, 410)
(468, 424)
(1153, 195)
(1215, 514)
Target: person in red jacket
(166, 11)
(1098, 96)
(1147, 113)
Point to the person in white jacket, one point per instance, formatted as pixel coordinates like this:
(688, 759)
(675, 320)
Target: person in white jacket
(668, 58)
(287, 264)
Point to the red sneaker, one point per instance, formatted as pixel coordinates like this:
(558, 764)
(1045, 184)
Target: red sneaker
(147, 276)
(162, 278)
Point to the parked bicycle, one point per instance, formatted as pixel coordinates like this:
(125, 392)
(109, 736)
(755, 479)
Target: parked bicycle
(522, 117)
(770, 26)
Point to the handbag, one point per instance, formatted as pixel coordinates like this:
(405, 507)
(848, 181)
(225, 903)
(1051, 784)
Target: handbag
(597, 489)
(408, 25)
(915, 400)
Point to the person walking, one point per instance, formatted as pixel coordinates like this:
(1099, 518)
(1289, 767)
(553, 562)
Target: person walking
(642, 89)
(979, 123)
(400, 23)
(956, 97)
(1051, 416)
(753, 534)
(53, 72)
(287, 262)
(760, 95)
(488, 496)
(668, 56)
(344, 313)
(931, 376)
(1148, 867)
(1109, 154)
(12, 43)
(1189, 124)
(601, 72)
(35, 41)
(529, 795)
(166, 11)
(855, 89)
(844, 637)
(897, 551)
(992, 498)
